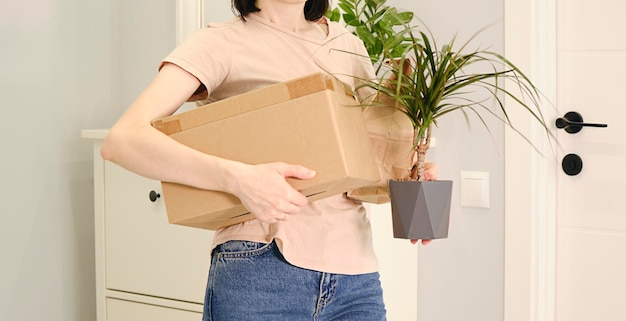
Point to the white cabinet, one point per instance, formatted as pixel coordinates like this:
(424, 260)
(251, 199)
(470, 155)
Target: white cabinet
(146, 268)
(122, 310)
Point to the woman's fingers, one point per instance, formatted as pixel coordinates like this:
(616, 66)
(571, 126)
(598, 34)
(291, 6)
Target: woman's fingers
(431, 171)
(265, 192)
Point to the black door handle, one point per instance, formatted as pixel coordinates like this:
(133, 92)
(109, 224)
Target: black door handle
(572, 122)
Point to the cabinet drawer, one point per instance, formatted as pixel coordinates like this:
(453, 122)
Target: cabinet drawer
(144, 253)
(120, 310)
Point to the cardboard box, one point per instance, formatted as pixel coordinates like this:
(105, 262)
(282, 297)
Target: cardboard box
(310, 121)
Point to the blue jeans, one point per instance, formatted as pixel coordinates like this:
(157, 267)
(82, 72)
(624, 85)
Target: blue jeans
(251, 281)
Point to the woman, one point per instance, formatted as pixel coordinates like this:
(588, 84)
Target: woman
(296, 260)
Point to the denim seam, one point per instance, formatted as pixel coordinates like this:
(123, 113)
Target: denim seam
(210, 287)
(319, 305)
(246, 254)
(327, 290)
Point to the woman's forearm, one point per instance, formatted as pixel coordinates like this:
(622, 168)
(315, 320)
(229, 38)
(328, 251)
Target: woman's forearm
(152, 154)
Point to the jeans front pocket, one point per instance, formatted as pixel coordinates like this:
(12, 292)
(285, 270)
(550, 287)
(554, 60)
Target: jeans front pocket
(234, 250)
(233, 280)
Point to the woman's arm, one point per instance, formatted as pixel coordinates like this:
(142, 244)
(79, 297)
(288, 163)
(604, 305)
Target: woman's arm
(135, 145)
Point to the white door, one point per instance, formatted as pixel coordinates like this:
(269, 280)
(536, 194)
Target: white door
(591, 209)
(566, 253)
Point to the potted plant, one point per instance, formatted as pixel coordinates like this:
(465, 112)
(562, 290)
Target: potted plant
(425, 82)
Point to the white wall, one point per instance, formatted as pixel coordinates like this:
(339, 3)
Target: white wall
(66, 65)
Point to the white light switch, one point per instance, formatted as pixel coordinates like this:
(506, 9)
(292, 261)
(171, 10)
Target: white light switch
(475, 189)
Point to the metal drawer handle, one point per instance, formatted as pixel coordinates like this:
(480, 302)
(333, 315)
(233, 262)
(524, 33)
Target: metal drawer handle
(154, 196)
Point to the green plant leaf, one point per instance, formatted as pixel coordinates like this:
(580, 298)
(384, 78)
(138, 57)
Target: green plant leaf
(405, 17)
(364, 33)
(333, 15)
(374, 3)
(346, 6)
(392, 18)
(375, 17)
(351, 20)
(394, 41)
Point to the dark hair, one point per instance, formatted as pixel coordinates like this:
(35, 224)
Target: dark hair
(313, 9)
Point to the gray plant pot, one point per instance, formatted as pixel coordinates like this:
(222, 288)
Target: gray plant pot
(420, 210)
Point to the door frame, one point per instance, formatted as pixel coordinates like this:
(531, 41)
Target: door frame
(530, 178)
(189, 18)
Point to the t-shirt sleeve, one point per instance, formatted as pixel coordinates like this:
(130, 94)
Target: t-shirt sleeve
(205, 54)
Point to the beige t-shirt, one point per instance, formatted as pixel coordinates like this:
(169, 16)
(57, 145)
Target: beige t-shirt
(331, 235)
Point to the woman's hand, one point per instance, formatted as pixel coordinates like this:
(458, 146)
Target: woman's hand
(264, 191)
(431, 172)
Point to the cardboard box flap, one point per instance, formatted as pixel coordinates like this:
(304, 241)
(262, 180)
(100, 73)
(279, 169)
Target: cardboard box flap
(251, 100)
